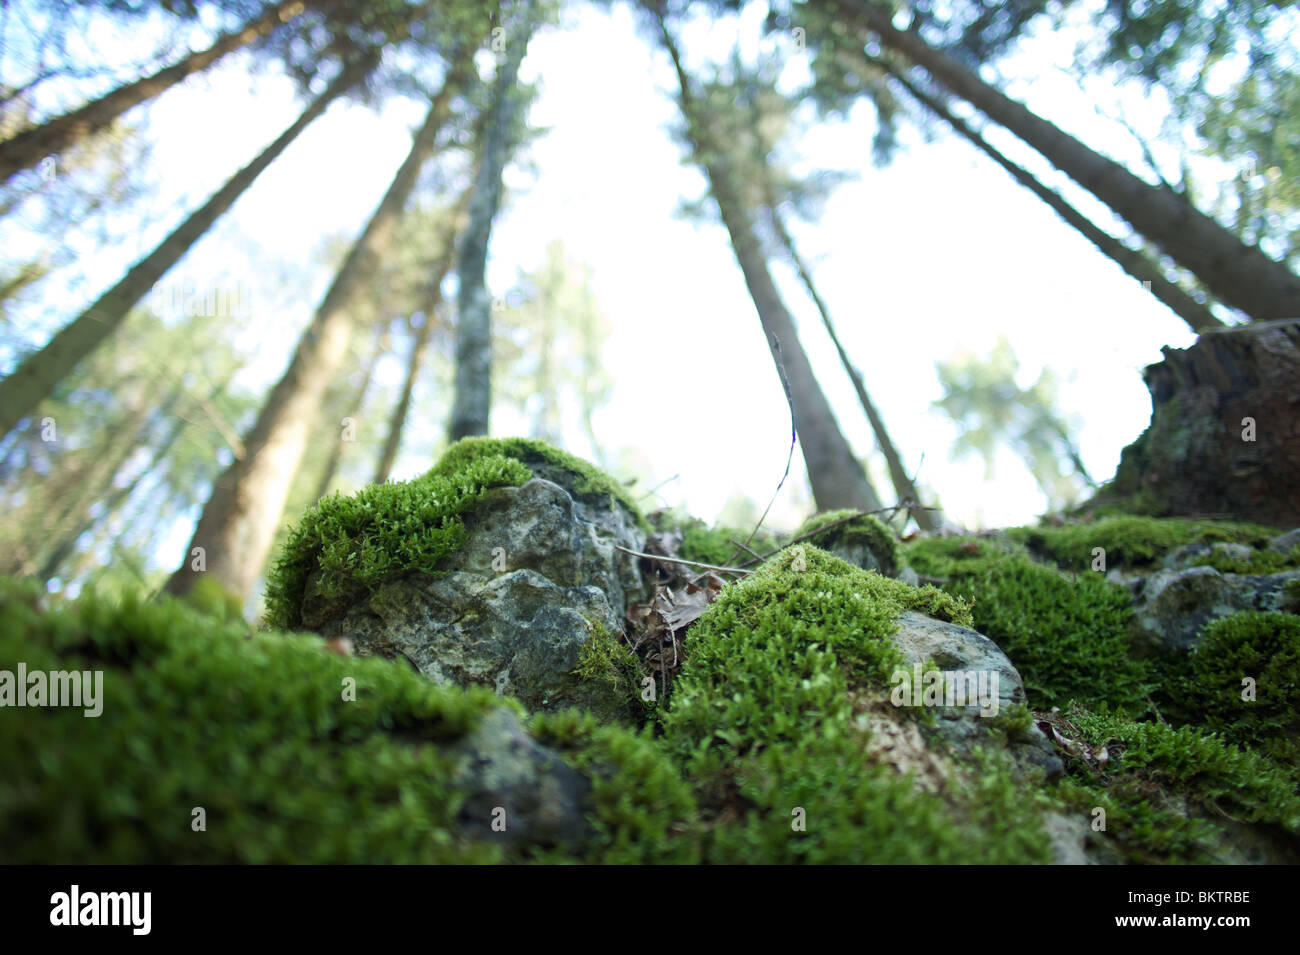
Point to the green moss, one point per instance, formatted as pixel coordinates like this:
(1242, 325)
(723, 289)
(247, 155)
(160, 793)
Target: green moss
(712, 545)
(607, 658)
(210, 597)
(1264, 647)
(1260, 562)
(255, 730)
(1013, 721)
(1291, 596)
(1134, 543)
(796, 632)
(385, 530)
(585, 481)
(865, 531)
(1176, 795)
(763, 718)
(642, 810)
(853, 812)
(1065, 634)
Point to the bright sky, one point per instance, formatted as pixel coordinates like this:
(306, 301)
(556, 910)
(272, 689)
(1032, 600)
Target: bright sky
(939, 252)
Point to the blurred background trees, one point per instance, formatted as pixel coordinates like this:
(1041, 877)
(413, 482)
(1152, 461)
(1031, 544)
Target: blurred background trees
(161, 424)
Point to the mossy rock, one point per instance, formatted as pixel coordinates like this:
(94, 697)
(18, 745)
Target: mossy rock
(1263, 648)
(350, 546)
(644, 811)
(1134, 543)
(584, 481)
(772, 716)
(346, 548)
(1180, 795)
(863, 541)
(1065, 633)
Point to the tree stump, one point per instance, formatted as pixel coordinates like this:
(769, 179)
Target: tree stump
(1224, 438)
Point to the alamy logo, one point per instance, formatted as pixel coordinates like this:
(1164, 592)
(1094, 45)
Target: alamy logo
(55, 688)
(102, 908)
(946, 688)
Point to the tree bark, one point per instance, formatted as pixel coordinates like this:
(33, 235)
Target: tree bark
(116, 496)
(354, 406)
(239, 521)
(838, 480)
(36, 377)
(1132, 261)
(420, 341)
(1223, 440)
(473, 400)
(419, 346)
(926, 519)
(55, 135)
(1237, 274)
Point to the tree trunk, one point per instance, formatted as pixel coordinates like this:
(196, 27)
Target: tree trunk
(55, 135)
(1223, 440)
(473, 400)
(86, 483)
(26, 274)
(116, 496)
(926, 519)
(355, 404)
(546, 423)
(838, 480)
(419, 345)
(1132, 261)
(420, 341)
(36, 377)
(239, 521)
(1237, 274)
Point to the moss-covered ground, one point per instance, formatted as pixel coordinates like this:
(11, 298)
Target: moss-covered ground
(765, 750)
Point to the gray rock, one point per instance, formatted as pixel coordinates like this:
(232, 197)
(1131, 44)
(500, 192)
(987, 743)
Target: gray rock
(922, 638)
(857, 554)
(1284, 542)
(863, 542)
(518, 792)
(1123, 578)
(1068, 836)
(1171, 607)
(537, 578)
(1232, 551)
(1182, 557)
